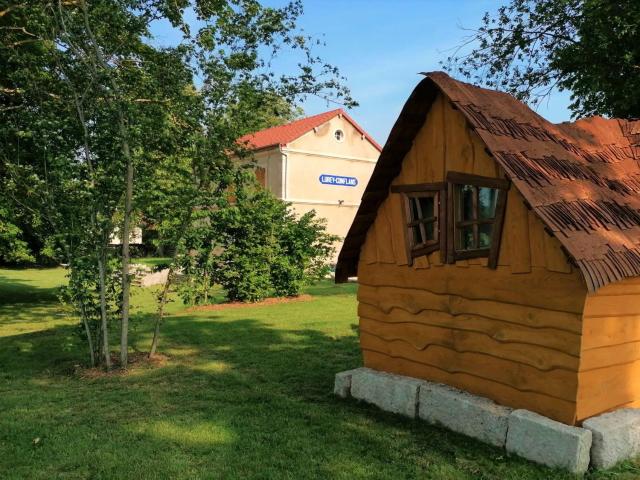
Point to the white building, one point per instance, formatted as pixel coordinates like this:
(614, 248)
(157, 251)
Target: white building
(322, 162)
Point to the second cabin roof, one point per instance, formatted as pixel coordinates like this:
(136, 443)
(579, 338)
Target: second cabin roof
(582, 179)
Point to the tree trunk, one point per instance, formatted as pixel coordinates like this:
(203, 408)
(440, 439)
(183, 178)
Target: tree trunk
(167, 285)
(99, 56)
(205, 287)
(126, 227)
(163, 301)
(87, 330)
(103, 313)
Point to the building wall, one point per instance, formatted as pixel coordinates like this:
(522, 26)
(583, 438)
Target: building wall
(271, 161)
(135, 236)
(293, 173)
(511, 334)
(610, 354)
(319, 153)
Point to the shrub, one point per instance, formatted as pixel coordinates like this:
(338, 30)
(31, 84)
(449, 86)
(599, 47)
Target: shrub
(265, 249)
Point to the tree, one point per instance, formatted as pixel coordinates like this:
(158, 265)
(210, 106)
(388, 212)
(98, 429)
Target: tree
(13, 249)
(531, 47)
(264, 110)
(84, 95)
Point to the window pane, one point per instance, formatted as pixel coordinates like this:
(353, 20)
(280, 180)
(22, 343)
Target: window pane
(413, 203)
(417, 235)
(426, 204)
(465, 238)
(429, 227)
(466, 202)
(485, 231)
(487, 202)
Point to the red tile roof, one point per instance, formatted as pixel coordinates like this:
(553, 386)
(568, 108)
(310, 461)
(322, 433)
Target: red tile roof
(284, 134)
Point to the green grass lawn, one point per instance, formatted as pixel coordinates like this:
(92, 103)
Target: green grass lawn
(152, 261)
(246, 393)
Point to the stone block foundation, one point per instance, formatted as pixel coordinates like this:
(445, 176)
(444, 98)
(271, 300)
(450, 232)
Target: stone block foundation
(474, 416)
(602, 442)
(548, 442)
(616, 436)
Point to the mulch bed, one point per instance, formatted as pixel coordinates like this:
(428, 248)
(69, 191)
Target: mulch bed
(261, 303)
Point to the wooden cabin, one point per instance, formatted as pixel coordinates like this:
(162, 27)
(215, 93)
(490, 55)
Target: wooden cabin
(500, 254)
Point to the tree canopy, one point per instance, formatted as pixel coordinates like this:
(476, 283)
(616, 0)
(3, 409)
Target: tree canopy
(531, 47)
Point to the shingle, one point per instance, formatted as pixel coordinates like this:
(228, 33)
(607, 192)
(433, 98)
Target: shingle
(581, 178)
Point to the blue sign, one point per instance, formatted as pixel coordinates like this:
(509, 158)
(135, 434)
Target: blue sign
(338, 180)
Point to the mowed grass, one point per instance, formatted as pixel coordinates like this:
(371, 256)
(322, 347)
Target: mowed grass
(246, 393)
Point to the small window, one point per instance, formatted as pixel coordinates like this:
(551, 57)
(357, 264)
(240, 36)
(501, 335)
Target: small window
(339, 134)
(462, 218)
(476, 211)
(422, 217)
(476, 214)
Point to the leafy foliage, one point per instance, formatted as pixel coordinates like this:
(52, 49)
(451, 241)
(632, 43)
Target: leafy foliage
(82, 294)
(12, 248)
(254, 248)
(531, 47)
(266, 250)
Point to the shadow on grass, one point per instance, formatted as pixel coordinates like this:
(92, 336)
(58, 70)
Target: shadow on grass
(242, 397)
(18, 291)
(26, 306)
(238, 399)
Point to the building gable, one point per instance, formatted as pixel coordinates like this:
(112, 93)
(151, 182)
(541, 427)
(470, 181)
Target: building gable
(282, 135)
(443, 144)
(337, 137)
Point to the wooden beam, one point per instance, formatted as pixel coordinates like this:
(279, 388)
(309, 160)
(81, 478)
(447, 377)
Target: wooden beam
(461, 178)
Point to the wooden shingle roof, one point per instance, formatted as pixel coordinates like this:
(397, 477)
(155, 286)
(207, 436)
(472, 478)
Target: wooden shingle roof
(582, 179)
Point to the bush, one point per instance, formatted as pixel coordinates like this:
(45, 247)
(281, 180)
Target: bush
(264, 249)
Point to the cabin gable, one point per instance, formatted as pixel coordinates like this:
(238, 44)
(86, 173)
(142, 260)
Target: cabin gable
(445, 144)
(511, 333)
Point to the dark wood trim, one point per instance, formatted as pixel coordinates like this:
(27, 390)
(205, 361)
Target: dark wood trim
(475, 201)
(427, 249)
(502, 185)
(408, 234)
(451, 244)
(460, 178)
(466, 223)
(501, 208)
(408, 192)
(415, 223)
(418, 187)
(443, 222)
(467, 254)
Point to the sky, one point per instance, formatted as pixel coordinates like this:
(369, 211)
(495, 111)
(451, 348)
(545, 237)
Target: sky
(381, 46)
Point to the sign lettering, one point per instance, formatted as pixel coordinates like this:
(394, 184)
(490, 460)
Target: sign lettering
(327, 179)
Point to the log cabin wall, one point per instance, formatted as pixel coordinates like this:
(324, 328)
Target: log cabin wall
(610, 355)
(511, 334)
